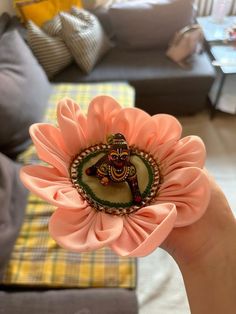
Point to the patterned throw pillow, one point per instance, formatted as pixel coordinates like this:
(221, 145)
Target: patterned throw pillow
(84, 36)
(51, 52)
(53, 27)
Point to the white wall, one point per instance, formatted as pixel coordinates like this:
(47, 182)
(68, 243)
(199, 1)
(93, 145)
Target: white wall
(6, 6)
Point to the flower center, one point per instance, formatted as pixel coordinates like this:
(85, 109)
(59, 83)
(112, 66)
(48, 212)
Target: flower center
(115, 197)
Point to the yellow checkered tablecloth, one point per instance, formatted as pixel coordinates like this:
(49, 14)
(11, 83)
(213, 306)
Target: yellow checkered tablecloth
(36, 259)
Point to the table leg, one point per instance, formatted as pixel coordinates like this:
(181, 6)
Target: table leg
(218, 94)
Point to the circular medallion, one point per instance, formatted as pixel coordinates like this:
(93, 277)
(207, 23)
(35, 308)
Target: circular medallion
(115, 198)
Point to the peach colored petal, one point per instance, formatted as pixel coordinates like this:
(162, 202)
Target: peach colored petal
(160, 129)
(145, 230)
(188, 189)
(101, 113)
(50, 146)
(48, 184)
(187, 152)
(128, 122)
(162, 151)
(147, 136)
(73, 125)
(84, 230)
(167, 127)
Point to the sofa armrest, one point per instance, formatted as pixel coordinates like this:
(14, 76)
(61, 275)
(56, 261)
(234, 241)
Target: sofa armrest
(74, 301)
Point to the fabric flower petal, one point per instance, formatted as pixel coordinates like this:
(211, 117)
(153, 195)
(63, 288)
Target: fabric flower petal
(84, 230)
(73, 125)
(145, 230)
(188, 189)
(50, 146)
(160, 129)
(101, 112)
(128, 122)
(187, 152)
(167, 128)
(48, 184)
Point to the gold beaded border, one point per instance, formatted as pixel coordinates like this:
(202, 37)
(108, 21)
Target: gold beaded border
(118, 211)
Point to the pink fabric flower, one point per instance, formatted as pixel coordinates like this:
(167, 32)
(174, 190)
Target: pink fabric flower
(182, 197)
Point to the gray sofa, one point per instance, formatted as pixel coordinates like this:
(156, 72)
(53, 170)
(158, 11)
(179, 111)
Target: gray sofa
(68, 301)
(141, 35)
(140, 32)
(160, 85)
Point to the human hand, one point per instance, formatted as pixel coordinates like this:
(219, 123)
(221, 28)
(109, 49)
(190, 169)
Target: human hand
(215, 229)
(206, 255)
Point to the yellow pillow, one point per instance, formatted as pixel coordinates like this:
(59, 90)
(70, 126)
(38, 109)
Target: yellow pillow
(66, 5)
(40, 11)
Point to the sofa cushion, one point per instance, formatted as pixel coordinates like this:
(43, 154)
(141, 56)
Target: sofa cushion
(160, 84)
(24, 92)
(149, 23)
(15, 24)
(85, 38)
(83, 301)
(4, 22)
(13, 197)
(102, 14)
(51, 52)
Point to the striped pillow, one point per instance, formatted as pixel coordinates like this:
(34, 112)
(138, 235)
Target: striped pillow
(51, 52)
(53, 27)
(85, 37)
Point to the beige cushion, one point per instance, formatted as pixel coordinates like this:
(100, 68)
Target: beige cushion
(84, 37)
(51, 52)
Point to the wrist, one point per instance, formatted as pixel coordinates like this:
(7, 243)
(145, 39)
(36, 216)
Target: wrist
(210, 278)
(218, 247)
